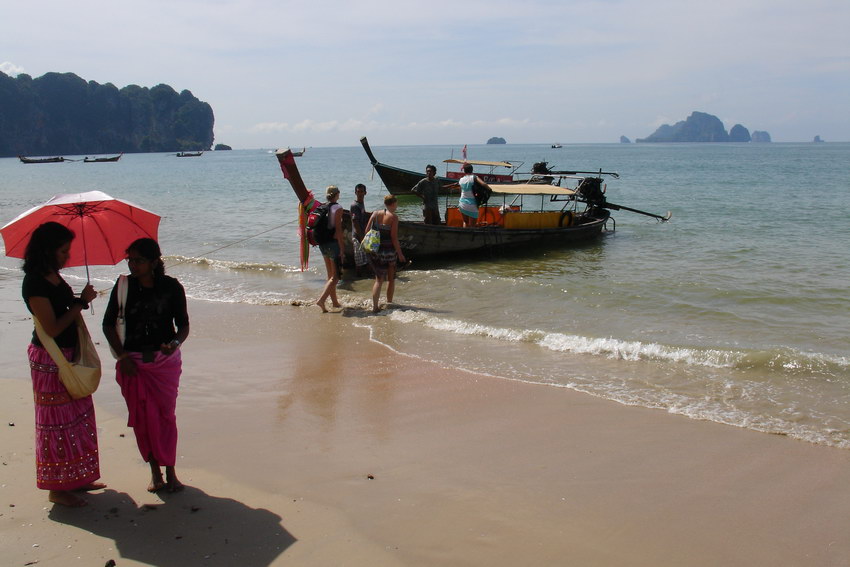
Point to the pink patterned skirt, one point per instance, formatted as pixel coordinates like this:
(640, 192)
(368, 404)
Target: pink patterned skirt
(66, 455)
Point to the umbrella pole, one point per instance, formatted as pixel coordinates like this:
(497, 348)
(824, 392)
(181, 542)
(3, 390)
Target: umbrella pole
(85, 251)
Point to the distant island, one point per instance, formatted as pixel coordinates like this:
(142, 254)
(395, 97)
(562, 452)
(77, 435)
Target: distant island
(495, 140)
(60, 113)
(624, 140)
(220, 147)
(703, 127)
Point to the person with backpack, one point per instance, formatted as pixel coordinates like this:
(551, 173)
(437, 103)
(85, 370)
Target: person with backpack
(329, 238)
(473, 194)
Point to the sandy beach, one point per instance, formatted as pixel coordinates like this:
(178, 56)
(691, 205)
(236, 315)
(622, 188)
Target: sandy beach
(303, 442)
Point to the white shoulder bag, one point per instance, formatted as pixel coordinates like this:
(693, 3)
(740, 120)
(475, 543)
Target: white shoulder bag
(121, 322)
(80, 376)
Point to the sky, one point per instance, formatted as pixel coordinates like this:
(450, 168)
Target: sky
(283, 73)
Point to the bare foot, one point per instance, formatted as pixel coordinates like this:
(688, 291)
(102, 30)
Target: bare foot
(91, 486)
(337, 305)
(65, 498)
(173, 485)
(322, 305)
(156, 485)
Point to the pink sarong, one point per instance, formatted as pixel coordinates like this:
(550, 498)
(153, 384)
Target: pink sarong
(151, 397)
(66, 455)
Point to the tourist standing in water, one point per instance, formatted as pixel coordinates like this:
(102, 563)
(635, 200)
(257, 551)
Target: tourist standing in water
(359, 219)
(333, 251)
(389, 252)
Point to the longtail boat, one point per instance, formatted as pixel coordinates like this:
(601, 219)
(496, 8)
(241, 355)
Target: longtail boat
(400, 181)
(189, 154)
(102, 159)
(57, 159)
(529, 217)
(299, 154)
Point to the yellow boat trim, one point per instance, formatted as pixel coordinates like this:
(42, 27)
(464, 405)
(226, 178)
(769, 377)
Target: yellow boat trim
(530, 189)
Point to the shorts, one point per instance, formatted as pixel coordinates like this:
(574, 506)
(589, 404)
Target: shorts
(330, 249)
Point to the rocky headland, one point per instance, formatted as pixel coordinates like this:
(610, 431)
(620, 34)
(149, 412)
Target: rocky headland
(60, 113)
(703, 127)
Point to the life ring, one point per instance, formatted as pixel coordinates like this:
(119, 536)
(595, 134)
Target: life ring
(566, 219)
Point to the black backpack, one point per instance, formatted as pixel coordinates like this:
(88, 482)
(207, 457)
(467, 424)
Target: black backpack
(481, 193)
(318, 231)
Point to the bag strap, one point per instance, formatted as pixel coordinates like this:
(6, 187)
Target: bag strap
(49, 343)
(123, 285)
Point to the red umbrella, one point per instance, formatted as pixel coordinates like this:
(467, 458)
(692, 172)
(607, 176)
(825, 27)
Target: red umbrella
(104, 227)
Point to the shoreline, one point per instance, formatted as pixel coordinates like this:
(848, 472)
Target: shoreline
(278, 441)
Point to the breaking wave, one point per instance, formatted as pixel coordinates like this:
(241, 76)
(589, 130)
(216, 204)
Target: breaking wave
(782, 359)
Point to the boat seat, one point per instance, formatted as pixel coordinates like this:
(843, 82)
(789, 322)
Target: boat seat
(487, 216)
(533, 220)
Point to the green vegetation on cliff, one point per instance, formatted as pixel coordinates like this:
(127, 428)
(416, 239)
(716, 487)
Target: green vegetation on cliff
(60, 113)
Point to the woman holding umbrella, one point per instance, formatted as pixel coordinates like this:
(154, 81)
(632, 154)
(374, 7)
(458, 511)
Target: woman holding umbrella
(66, 434)
(149, 362)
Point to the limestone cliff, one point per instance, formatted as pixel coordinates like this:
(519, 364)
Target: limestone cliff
(60, 113)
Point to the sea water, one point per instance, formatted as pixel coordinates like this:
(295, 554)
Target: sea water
(735, 311)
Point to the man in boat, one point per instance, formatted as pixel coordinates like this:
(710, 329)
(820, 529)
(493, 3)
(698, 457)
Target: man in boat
(428, 189)
(359, 218)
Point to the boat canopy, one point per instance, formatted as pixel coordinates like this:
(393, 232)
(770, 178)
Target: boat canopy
(531, 189)
(487, 163)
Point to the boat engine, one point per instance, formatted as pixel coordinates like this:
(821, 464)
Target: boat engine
(590, 189)
(541, 168)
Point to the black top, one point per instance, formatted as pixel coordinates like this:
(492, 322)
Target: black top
(61, 296)
(359, 219)
(429, 191)
(151, 313)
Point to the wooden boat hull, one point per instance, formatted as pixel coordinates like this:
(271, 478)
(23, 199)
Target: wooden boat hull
(419, 240)
(449, 241)
(400, 181)
(57, 159)
(103, 159)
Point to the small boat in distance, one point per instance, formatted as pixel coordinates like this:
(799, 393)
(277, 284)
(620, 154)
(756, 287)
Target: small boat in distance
(556, 146)
(102, 159)
(57, 159)
(189, 154)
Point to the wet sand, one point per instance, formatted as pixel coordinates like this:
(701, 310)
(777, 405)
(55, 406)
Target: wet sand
(302, 442)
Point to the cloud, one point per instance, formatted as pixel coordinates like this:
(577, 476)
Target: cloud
(357, 125)
(11, 69)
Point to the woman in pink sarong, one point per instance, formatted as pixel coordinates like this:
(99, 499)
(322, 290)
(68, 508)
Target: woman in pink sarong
(66, 454)
(149, 363)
